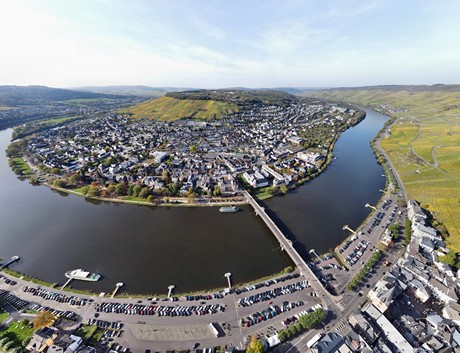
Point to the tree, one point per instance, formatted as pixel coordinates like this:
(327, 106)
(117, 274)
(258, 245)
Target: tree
(450, 258)
(165, 176)
(144, 192)
(216, 192)
(136, 190)
(93, 191)
(130, 190)
(75, 179)
(311, 320)
(59, 183)
(256, 346)
(121, 188)
(193, 149)
(283, 188)
(44, 318)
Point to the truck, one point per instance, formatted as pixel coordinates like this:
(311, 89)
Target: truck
(314, 339)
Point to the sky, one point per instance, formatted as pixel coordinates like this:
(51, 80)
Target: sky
(223, 43)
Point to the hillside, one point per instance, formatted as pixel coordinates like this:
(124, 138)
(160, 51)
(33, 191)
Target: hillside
(141, 91)
(170, 109)
(424, 144)
(28, 95)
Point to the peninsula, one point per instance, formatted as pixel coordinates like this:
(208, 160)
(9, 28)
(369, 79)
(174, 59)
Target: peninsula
(194, 147)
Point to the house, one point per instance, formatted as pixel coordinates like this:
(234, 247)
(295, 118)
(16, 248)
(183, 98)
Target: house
(414, 212)
(330, 343)
(384, 291)
(255, 178)
(42, 339)
(452, 312)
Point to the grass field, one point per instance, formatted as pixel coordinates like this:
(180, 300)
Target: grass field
(170, 109)
(21, 164)
(424, 146)
(3, 315)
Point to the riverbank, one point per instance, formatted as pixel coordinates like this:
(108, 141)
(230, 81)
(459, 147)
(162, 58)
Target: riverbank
(121, 294)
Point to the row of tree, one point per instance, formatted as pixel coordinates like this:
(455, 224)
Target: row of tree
(305, 322)
(376, 256)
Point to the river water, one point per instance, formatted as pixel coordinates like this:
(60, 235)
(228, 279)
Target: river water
(149, 248)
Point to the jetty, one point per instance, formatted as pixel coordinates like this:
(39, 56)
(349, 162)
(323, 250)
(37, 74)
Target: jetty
(66, 284)
(13, 259)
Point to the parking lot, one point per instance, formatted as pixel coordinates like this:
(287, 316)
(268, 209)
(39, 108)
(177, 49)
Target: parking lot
(151, 332)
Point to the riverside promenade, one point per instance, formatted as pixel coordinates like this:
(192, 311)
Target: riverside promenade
(328, 300)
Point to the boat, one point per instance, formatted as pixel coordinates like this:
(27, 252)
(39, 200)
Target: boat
(228, 209)
(82, 275)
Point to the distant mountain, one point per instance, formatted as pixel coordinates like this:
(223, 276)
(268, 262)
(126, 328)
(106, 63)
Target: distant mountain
(143, 91)
(25, 95)
(409, 88)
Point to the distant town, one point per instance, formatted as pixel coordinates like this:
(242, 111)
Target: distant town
(264, 147)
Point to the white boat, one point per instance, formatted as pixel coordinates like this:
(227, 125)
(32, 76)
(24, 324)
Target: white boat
(229, 209)
(82, 275)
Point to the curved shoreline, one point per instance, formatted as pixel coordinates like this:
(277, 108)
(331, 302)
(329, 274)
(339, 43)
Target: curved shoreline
(209, 204)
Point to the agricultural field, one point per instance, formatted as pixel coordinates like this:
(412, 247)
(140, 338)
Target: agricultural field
(424, 143)
(170, 109)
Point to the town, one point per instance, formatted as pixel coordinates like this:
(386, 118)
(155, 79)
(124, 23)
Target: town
(267, 146)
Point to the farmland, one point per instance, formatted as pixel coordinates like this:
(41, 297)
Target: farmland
(424, 143)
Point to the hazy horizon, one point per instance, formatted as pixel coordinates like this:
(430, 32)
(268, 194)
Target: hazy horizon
(263, 44)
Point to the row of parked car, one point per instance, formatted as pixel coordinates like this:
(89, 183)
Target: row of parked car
(347, 243)
(8, 281)
(160, 310)
(204, 297)
(106, 324)
(356, 254)
(269, 313)
(111, 329)
(13, 300)
(273, 293)
(60, 298)
(70, 315)
(267, 283)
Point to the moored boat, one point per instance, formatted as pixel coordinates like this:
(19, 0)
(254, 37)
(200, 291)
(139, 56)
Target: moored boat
(82, 275)
(226, 209)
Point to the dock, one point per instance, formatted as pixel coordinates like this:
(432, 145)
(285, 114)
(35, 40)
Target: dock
(13, 259)
(66, 284)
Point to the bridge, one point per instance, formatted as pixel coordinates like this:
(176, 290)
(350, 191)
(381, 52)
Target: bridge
(327, 298)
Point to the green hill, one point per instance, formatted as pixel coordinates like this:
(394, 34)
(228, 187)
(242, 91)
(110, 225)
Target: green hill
(424, 144)
(170, 109)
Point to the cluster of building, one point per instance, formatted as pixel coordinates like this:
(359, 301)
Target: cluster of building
(413, 308)
(53, 340)
(262, 142)
(25, 113)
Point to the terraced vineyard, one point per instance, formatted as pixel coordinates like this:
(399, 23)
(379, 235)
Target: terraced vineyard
(170, 109)
(424, 144)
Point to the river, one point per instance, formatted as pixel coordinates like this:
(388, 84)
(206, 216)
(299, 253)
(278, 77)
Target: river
(149, 248)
